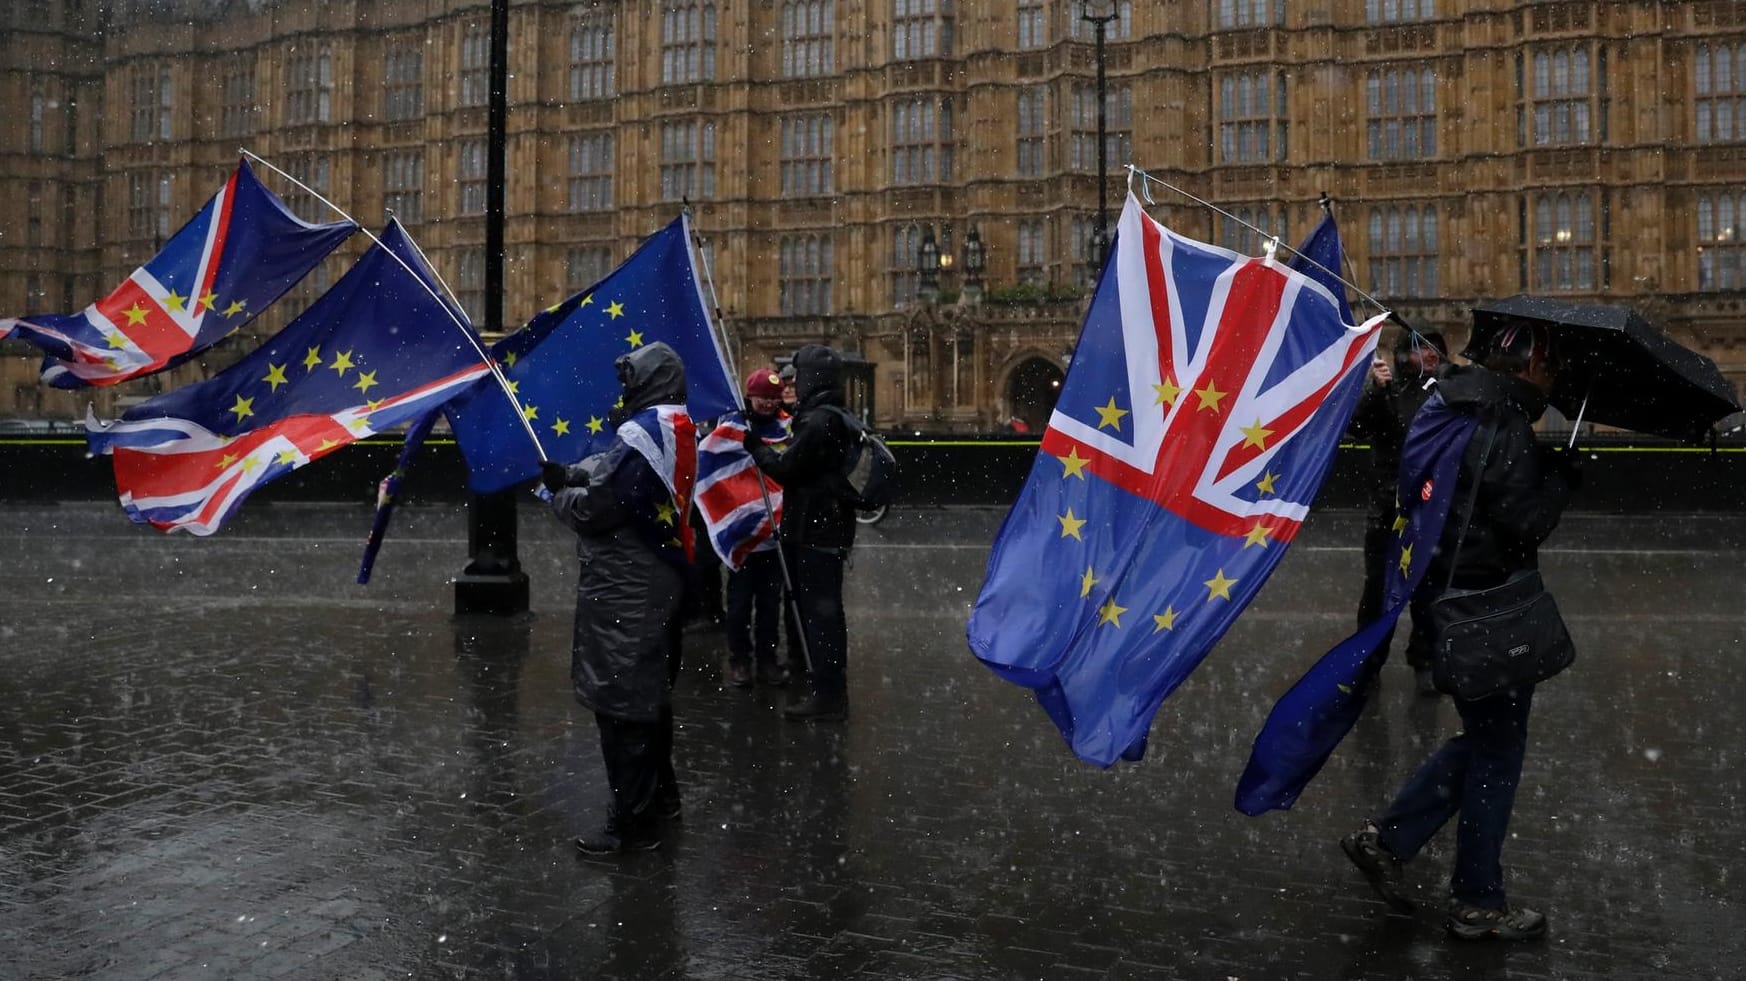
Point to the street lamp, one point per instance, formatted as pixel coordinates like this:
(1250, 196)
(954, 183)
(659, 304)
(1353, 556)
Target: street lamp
(1100, 14)
(928, 265)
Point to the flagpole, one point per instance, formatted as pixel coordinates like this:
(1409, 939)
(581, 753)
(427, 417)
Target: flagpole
(448, 304)
(718, 334)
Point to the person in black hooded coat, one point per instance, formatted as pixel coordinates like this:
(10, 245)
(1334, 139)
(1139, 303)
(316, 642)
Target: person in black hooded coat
(625, 652)
(818, 524)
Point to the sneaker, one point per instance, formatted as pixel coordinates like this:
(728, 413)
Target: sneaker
(816, 709)
(1381, 869)
(772, 675)
(740, 675)
(1469, 922)
(1424, 683)
(609, 841)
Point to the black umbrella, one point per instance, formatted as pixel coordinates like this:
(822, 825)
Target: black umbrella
(1630, 374)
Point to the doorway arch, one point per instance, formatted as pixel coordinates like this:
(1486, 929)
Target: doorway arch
(1032, 389)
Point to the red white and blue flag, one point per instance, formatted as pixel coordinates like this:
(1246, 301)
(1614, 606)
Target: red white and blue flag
(217, 273)
(1204, 404)
(665, 436)
(376, 351)
(740, 506)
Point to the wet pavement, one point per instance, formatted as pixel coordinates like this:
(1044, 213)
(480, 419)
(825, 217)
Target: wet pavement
(221, 759)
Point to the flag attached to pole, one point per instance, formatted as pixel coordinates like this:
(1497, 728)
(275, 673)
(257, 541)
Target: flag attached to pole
(220, 271)
(378, 350)
(560, 364)
(740, 515)
(1204, 404)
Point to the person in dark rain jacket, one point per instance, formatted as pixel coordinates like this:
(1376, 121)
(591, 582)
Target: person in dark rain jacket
(629, 521)
(1523, 490)
(818, 524)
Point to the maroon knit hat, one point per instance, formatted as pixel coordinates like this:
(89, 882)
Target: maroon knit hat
(763, 384)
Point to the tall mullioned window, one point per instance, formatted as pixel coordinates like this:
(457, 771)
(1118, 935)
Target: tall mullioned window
(472, 173)
(1030, 132)
(470, 286)
(1564, 97)
(808, 27)
(1720, 83)
(38, 109)
(687, 41)
(921, 141)
(1398, 11)
(1118, 127)
(1252, 117)
(403, 185)
(1250, 13)
(475, 65)
(1562, 244)
(1031, 18)
(1721, 246)
(921, 29)
(688, 160)
(315, 171)
(804, 276)
(309, 86)
(152, 103)
(593, 47)
(1402, 107)
(403, 83)
(906, 243)
(591, 172)
(1032, 255)
(239, 113)
(806, 155)
(1403, 251)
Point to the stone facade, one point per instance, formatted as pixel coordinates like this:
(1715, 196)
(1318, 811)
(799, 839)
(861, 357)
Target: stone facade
(1595, 150)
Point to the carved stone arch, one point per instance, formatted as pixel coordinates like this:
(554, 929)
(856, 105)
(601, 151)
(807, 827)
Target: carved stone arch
(1030, 383)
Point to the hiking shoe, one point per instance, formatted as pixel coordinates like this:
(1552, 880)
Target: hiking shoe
(740, 675)
(609, 841)
(1469, 922)
(1381, 869)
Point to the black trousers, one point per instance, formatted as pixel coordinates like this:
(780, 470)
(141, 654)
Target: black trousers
(818, 596)
(1379, 539)
(753, 606)
(639, 768)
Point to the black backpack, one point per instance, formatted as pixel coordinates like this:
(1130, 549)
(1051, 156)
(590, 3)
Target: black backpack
(869, 474)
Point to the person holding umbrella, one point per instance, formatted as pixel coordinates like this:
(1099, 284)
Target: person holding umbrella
(1522, 491)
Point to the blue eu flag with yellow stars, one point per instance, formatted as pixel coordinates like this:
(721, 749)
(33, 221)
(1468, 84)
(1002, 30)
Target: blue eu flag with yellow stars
(1204, 404)
(560, 364)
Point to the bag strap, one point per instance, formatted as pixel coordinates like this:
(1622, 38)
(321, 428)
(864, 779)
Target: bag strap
(1472, 500)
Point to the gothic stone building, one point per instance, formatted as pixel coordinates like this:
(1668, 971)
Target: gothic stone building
(1592, 150)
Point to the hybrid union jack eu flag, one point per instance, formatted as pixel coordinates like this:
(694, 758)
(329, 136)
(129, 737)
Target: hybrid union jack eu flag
(377, 350)
(226, 265)
(1201, 411)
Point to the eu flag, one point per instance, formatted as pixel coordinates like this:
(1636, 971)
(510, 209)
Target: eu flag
(376, 351)
(220, 271)
(1202, 409)
(1310, 719)
(1320, 258)
(560, 364)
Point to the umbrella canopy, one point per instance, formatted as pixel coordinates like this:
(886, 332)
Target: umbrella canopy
(1633, 376)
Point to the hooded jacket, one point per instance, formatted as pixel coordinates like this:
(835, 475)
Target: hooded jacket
(815, 511)
(1524, 487)
(630, 585)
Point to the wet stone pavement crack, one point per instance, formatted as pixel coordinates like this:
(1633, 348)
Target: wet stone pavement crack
(221, 759)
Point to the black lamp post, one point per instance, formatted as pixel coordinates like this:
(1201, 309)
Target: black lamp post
(974, 257)
(928, 265)
(1100, 14)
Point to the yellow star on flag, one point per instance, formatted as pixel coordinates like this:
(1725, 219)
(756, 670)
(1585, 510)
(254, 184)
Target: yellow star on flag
(594, 424)
(1406, 560)
(1109, 612)
(1209, 397)
(326, 444)
(1400, 523)
(561, 427)
(1070, 525)
(1167, 391)
(373, 404)
(224, 461)
(250, 464)
(614, 310)
(634, 338)
(276, 376)
(532, 412)
(365, 380)
(174, 302)
(342, 362)
(1218, 586)
(1165, 620)
(1087, 582)
(1257, 535)
(209, 300)
(287, 456)
(510, 359)
(514, 386)
(117, 341)
(1074, 463)
(664, 513)
(235, 307)
(312, 360)
(1256, 436)
(1109, 415)
(1265, 484)
(243, 408)
(586, 301)
(136, 315)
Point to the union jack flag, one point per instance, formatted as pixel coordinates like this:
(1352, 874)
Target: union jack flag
(376, 351)
(665, 436)
(740, 518)
(1203, 406)
(230, 262)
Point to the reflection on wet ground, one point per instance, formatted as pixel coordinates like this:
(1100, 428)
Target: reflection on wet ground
(220, 758)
